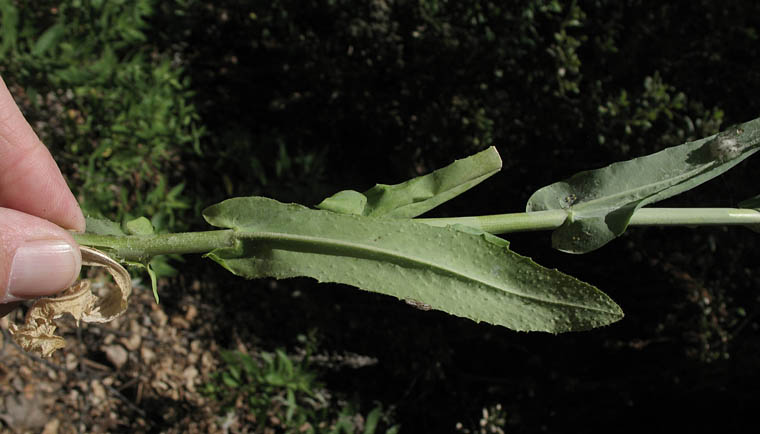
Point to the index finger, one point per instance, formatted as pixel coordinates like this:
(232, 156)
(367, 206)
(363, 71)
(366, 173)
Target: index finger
(30, 180)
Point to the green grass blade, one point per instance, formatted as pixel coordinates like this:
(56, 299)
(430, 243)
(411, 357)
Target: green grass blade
(418, 195)
(460, 273)
(600, 203)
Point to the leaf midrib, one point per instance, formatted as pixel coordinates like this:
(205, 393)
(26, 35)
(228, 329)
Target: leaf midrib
(751, 142)
(331, 242)
(583, 205)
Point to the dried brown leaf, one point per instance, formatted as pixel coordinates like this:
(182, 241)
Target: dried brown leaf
(37, 334)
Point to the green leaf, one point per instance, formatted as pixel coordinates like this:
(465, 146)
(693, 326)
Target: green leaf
(291, 404)
(99, 226)
(151, 273)
(344, 425)
(249, 365)
(153, 281)
(138, 226)
(370, 424)
(49, 38)
(418, 195)
(345, 202)
(457, 272)
(600, 203)
(228, 380)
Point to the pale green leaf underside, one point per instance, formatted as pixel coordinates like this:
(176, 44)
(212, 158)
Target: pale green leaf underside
(418, 195)
(600, 202)
(456, 272)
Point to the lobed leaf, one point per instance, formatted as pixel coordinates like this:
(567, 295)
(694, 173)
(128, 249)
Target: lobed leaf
(460, 273)
(418, 195)
(600, 203)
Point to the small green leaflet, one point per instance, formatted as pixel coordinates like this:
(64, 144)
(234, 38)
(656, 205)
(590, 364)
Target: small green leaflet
(418, 195)
(460, 273)
(600, 203)
(138, 226)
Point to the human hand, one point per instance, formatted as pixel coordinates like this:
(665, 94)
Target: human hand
(38, 257)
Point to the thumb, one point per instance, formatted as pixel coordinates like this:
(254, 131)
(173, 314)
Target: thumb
(37, 257)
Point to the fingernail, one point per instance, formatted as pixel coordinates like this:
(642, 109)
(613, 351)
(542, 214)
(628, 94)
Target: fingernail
(42, 267)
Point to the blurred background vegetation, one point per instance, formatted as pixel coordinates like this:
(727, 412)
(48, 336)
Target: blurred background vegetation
(160, 108)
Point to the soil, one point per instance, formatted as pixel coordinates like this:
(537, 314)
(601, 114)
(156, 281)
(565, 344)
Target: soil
(140, 372)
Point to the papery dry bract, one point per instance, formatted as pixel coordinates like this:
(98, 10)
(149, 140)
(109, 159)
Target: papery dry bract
(37, 334)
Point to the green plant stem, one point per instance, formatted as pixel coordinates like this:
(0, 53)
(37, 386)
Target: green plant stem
(140, 248)
(695, 217)
(552, 219)
(505, 223)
